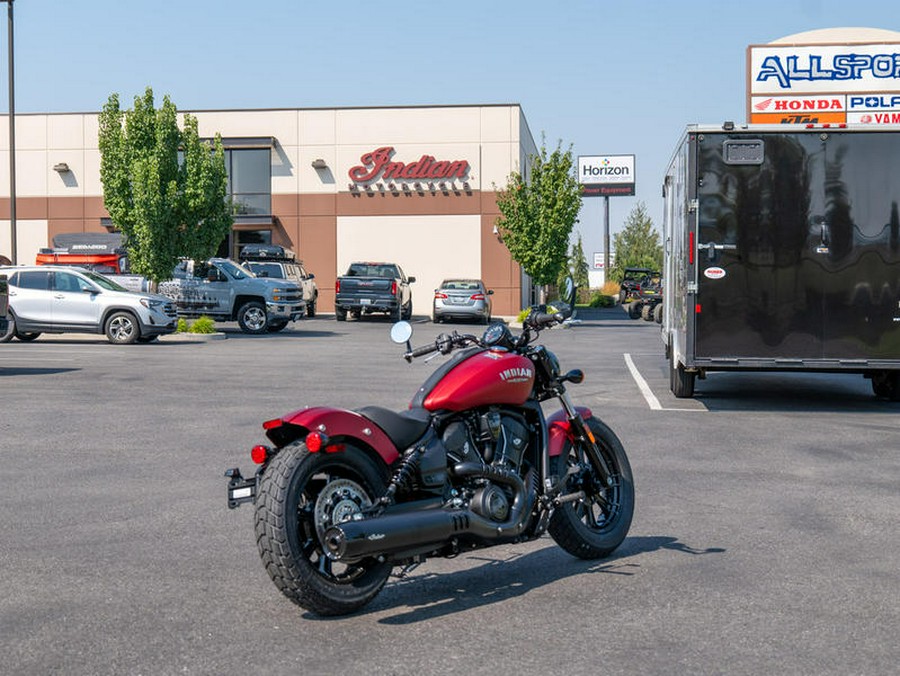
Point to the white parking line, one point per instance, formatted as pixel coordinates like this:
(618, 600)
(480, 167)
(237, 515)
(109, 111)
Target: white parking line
(649, 397)
(652, 401)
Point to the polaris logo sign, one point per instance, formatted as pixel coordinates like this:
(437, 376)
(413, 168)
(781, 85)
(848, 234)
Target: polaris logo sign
(874, 102)
(604, 175)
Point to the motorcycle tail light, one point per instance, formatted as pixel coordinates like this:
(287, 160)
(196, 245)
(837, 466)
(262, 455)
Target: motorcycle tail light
(259, 454)
(316, 441)
(272, 424)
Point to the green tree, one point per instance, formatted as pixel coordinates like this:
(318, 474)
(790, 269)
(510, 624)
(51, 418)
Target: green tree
(577, 266)
(537, 216)
(163, 187)
(637, 245)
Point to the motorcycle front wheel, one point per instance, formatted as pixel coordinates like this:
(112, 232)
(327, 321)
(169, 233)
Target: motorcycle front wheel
(300, 496)
(594, 526)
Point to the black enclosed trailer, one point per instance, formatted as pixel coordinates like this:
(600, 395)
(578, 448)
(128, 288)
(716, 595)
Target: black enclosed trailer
(782, 252)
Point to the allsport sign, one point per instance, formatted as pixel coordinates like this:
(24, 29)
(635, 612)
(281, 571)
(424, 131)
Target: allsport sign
(822, 83)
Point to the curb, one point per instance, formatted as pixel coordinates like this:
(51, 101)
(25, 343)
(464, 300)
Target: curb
(192, 337)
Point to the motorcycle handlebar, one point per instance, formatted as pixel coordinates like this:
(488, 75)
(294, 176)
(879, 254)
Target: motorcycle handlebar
(542, 319)
(443, 344)
(422, 351)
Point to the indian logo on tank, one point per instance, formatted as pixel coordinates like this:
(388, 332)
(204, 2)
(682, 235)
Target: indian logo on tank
(516, 375)
(714, 273)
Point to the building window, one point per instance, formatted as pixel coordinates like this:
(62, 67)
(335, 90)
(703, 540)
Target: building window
(250, 180)
(240, 238)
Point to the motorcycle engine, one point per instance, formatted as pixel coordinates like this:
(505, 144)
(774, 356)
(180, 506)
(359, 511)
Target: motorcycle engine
(490, 438)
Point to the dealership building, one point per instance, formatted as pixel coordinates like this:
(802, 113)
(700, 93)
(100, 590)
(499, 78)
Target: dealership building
(411, 185)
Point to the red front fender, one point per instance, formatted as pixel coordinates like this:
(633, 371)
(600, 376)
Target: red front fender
(334, 422)
(560, 430)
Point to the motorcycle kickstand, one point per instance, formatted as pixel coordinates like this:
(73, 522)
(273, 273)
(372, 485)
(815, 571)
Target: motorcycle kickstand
(406, 570)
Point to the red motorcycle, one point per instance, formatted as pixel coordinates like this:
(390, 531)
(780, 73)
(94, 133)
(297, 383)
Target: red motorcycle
(343, 497)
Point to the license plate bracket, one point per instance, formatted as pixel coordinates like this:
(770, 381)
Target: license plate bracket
(240, 490)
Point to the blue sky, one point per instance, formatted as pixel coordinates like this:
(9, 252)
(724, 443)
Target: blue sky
(604, 77)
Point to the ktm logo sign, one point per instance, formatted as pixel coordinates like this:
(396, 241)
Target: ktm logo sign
(377, 165)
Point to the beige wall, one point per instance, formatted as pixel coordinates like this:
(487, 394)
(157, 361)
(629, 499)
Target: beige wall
(429, 248)
(431, 234)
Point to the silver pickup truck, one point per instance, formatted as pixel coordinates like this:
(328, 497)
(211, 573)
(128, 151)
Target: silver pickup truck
(373, 287)
(225, 291)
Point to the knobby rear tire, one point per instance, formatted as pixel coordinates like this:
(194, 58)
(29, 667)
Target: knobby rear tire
(594, 527)
(287, 537)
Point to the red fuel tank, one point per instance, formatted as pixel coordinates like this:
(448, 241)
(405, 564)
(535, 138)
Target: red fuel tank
(490, 377)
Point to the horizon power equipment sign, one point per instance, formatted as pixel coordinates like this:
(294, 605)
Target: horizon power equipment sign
(857, 83)
(606, 175)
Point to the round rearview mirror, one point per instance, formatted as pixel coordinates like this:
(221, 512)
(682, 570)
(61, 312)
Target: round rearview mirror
(401, 332)
(569, 295)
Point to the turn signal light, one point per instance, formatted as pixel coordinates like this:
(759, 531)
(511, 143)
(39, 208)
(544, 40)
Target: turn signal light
(259, 454)
(316, 441)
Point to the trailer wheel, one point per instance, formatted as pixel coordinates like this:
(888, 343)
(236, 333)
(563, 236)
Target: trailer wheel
(681, 381)
(886, 384)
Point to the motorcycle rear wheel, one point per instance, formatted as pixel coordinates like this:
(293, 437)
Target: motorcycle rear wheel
(300, 495)
(593, 527)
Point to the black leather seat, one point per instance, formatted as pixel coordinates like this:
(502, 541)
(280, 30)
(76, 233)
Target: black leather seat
(402, 428)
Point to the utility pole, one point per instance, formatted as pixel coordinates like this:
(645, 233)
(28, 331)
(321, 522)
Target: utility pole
(12, 137)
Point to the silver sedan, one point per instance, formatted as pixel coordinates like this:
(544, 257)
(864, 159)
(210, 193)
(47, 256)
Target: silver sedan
(462, 299)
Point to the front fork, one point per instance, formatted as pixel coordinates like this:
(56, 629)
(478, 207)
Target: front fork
(582, 435)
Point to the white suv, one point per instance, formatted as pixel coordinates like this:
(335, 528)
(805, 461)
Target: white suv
(56, 299)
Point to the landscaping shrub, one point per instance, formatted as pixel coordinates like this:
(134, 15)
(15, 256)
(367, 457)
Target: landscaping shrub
(203, 325)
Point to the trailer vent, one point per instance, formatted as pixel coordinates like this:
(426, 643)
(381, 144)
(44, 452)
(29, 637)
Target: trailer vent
(743, 151)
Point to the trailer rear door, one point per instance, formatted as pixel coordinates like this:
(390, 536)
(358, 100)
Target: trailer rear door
(797, 246)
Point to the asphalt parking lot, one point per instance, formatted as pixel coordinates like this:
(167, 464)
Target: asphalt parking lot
(764, 537)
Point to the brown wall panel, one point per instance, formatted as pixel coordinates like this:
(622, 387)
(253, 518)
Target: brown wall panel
(286, 231)
(318, 249)
(93, 208)
(412, 204)
(317, 205)
(285, 206)
(499, 271)
(65, 207)
(27, 208)
(488, 203)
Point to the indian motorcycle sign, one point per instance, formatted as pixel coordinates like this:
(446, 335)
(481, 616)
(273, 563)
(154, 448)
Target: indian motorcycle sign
(379, 165)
